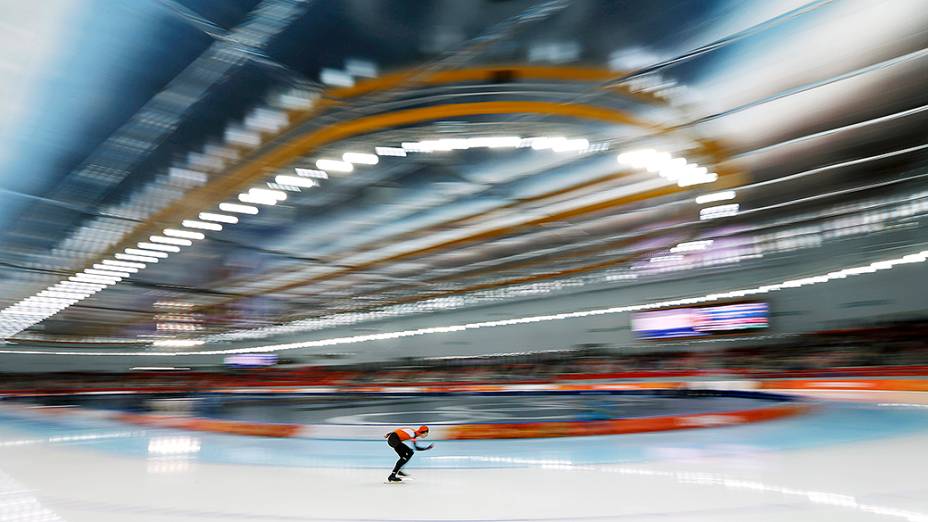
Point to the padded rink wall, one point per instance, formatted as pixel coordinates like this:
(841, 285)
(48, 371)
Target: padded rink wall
(779, 406)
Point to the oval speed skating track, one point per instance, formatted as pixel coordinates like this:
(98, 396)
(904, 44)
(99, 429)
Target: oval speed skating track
(840, 461)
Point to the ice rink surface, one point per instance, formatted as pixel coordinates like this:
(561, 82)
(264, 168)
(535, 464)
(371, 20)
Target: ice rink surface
(843, 462)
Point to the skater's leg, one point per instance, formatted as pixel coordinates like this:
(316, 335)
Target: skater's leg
(405, 454)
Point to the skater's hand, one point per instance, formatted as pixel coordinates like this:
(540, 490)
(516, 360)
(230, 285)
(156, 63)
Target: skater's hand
(424, 448)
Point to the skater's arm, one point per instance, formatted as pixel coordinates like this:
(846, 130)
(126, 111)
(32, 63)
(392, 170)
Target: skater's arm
(421, 448)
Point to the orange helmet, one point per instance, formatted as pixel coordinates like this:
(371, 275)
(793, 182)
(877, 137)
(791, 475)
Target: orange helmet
(422, 431)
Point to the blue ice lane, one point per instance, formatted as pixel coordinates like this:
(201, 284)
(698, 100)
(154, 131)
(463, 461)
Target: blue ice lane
(830, 424)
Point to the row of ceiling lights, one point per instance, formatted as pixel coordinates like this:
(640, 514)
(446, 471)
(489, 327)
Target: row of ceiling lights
(839, 274)
(834, 228)
(677, 169)
(914, 206)
(684, 174)
(793, 283)
(39, 307)
(554, 143)
(108, 272)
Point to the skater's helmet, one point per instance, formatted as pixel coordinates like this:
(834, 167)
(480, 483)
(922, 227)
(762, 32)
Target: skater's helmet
(422, 431)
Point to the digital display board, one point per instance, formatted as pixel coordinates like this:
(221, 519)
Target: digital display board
(251, 360)
(700, 321)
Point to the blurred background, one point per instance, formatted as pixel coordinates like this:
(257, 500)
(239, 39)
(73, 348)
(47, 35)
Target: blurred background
(360, 196)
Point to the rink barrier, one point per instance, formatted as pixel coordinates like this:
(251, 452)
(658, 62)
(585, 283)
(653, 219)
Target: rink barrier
(744, 388)
(784, 406)
(680, 376)
(621, 426)
(254, 429)
(913, 385)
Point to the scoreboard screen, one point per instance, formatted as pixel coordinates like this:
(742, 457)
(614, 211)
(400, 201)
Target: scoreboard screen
(701, 321)
(251, 360)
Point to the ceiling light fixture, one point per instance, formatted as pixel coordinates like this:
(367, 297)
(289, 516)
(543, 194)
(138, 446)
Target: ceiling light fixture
(87, 278)
(334, 165)
(717, 196)
(81, 286)
(719, 211)
(150, 253)
(389, 151)
(170, 240)
(106, 273)
(311, 173)
(692, 246)
(222, 218)
(134, 254)
(575, 145)
(61, 294)
(296, 181)
(157, 246)
(172, 232)
(202, 225)
(268, 193)
(247, 197)
(100, 266)
(239, 209)
(361, 158)
(177, 343)
(123, 264)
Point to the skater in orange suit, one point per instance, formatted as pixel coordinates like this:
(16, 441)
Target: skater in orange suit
(397, 440)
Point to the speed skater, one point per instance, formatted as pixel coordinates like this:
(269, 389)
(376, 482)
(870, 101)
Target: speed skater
(397, 440)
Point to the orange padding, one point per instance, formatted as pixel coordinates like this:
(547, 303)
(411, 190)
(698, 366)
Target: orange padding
(847, 384)
(212, 425)
(620, 426)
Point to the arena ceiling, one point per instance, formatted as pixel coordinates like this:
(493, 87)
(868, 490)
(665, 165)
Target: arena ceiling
(323, 163)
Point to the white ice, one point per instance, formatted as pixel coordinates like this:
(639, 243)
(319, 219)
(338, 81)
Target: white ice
(874, 480)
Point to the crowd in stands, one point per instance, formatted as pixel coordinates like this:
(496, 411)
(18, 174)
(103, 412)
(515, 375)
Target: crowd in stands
(900, 347)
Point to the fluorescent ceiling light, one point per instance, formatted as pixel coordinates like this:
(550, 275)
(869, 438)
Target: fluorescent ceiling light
(279, 195)
(389, 151)
(190, 223)
(72, 287)
(717, 196)
(270, 193)
(248, 197)
(133, 257)
(697, 177)
(295, 181)
(666, 259)
(222, 218)
(719, 211)
(170, 240)
(692, 246)
(334, 165)
(123, 264)
(235, 207)
(312, 173)
(361, 158)
(413, 146)
(62, 294)
(84, 278)
(579, 144)
(158, 368)
(149, 253)
(177, 343)
(125, 269)
(637, 159)
(106, 273)
(173, 232)
(156, 246)
(495, 142)
(542, 143)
